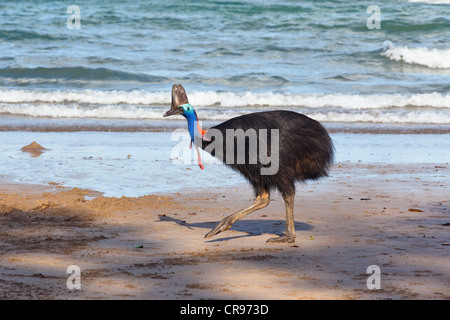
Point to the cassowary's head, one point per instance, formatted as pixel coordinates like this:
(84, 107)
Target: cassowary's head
(180, 102)
(181, 106)
(185, 110)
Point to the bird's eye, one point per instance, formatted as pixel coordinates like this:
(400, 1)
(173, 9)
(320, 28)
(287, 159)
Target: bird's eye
(181, 108)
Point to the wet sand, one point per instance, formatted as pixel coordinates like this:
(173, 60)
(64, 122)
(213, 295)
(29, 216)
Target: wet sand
(140, 163)
(394, 216)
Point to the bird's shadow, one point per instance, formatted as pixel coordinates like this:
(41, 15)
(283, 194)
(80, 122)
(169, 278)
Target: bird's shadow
(253, 227)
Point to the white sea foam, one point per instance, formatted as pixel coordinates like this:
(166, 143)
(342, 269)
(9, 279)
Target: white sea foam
(431, 58)
(431, 1)
(226, 99)
(424, 108)
(76, 111)
(426, 117)
(136, 97)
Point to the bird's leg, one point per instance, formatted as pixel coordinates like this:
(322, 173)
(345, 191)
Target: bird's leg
(261, 201)
(199, 159)
(289, 235)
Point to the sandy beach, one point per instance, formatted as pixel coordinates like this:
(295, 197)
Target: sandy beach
(394, 216)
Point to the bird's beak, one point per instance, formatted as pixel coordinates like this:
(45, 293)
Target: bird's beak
(172, 112)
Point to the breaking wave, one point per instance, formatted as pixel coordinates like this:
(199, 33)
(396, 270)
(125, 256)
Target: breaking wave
(431, 58)
(212, 105)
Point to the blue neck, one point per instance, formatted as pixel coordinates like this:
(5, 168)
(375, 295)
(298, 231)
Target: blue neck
(194, 129)
(192, 124)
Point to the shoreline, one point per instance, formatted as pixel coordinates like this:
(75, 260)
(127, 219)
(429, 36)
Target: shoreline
(394, 216)
(14, 123)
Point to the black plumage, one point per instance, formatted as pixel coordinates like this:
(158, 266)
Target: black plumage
(305, 149)
(305, 152)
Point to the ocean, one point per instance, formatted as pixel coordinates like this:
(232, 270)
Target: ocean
(320, 58)
(68, 69)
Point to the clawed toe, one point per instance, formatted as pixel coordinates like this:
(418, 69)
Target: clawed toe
(282, 239)
(224, 225)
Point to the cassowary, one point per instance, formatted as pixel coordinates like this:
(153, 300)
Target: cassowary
(304, 151)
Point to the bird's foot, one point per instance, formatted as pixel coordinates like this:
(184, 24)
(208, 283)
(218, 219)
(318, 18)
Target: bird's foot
(224, 225)
(282, 239)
